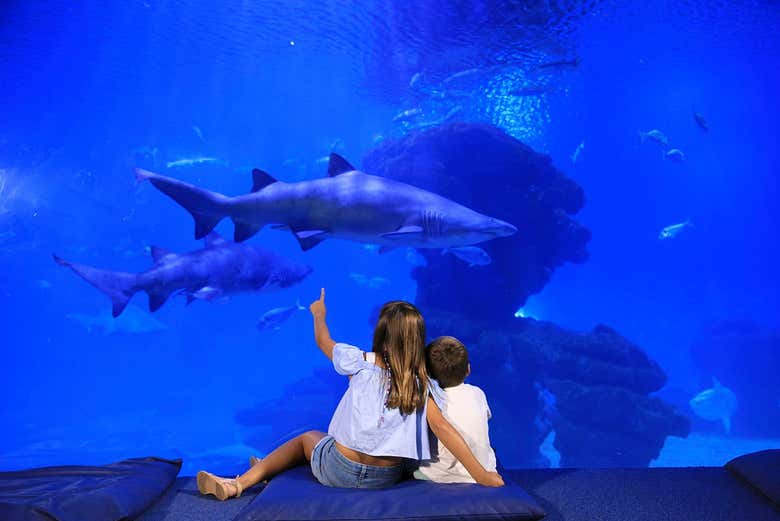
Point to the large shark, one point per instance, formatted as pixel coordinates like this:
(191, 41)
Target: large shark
(348, 204)
(220, 268)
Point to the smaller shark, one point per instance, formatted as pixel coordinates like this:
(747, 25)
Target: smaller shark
(219, 269)
(671, 231)
(134, 320)
(716, 404)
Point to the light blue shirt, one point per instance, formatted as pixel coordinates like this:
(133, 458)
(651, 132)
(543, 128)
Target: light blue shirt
(361, 421)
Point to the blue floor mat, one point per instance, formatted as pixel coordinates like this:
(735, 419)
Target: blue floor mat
(115, 491)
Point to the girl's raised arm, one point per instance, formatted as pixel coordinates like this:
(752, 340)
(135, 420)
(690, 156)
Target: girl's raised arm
(321, 333)
(455, 443)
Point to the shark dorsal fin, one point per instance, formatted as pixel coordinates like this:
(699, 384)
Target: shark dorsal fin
(213, 239)
(716, 383)
(338, 165)
(159, 254)
(261, 179)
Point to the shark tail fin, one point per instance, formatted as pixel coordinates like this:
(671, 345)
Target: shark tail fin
(207, 208)
(117, 285)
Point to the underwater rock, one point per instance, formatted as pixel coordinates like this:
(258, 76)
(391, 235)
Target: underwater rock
(307, 404)
(591, 388)
(745, 357)
(483, 168)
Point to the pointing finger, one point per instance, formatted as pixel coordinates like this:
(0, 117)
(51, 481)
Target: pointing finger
(322, 295)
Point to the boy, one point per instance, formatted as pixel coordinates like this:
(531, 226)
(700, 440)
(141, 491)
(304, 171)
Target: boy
(466, 409)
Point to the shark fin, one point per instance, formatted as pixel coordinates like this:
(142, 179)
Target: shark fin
(159, 254)
(716, 383)
(404, 232)
(308, 239)
(213, 239)
(727, 424)
(261, 179)
(118, 286)
(190, 298)
(243, 230)
(338, 165)
(156, 299)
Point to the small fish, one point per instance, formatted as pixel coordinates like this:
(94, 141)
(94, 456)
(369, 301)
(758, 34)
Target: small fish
(461, 74)
(186, 162)
(373, 248)
(519, 313)
(560, 64)
(575, 157)
(198, 133)
(369, 282)
(415, 258)
(407, 114)
(675, 155)
(473, 255)
(275, 317)
(716, 404)
(322, 160)
(337, 145)
(376, 139)
(415, 79)
(671, 231)
(701, 121)
(655, 135)
(454, 110)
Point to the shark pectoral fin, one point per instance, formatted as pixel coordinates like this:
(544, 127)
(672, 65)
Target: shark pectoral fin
(261, 179)
(308, 239)
(338, 165)
(156, 299)
(213, 239)
(405, 232)
(244, 230)
(159, 254)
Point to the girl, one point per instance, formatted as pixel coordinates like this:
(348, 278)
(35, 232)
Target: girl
(382, 419)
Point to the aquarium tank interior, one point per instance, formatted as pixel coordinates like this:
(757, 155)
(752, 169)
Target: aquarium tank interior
(585, 193)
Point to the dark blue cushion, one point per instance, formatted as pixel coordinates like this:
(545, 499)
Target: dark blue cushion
(116, 491)
(761, 470)
(297, 495)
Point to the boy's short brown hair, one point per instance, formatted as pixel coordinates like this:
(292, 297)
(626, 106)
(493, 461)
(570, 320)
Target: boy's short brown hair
(447, 360)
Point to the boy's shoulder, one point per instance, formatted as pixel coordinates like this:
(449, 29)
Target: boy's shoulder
(469, 389)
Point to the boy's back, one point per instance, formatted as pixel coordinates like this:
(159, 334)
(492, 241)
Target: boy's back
(467, 410)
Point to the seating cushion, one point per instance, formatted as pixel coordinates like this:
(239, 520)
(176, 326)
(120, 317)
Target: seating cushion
(296, 495)
(121, 490)
(761, 470)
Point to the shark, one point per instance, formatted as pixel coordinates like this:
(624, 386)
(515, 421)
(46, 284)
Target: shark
(347, 204)
(134, 321)
(217, 270)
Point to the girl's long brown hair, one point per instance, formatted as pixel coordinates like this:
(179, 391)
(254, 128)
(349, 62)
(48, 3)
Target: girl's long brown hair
(399, 338)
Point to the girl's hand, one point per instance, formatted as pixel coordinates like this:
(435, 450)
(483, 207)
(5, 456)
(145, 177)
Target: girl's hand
(491, 479)
(317, 307)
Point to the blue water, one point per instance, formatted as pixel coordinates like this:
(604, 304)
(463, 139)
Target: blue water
(88, 91)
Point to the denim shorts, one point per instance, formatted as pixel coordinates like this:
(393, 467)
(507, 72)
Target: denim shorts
(333, 469)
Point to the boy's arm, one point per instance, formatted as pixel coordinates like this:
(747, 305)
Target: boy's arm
(455, 443)
(321, 332)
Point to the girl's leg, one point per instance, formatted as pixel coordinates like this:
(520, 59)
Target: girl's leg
(290, 454)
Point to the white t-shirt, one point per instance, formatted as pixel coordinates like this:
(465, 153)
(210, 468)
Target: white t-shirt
(466, 408)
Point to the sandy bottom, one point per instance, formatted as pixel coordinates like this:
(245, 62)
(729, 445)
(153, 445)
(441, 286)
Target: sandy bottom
(708, 450)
